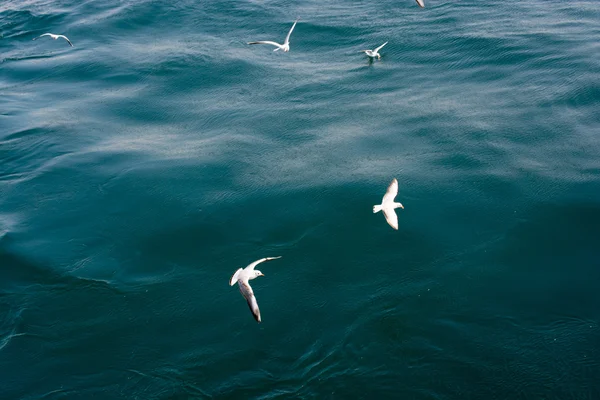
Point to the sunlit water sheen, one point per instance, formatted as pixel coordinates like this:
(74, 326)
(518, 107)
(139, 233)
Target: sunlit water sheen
(142, 167)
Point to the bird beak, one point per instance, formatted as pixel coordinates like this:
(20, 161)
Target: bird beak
(401, 206)
(261, 274)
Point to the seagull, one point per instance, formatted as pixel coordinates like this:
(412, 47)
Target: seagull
(242, 276)
(374, 53)
(388, 205)
(53, 36)
(421, 3)
(285, 46)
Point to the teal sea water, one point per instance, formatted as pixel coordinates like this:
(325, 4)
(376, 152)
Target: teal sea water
(142, 167)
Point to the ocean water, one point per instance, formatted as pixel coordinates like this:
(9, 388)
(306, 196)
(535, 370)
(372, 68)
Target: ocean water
(140, 168)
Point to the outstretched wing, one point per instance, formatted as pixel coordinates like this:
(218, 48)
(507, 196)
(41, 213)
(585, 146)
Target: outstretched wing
(45, 34)
(235, 277)
(248, 294)
(421, 3)
(391, 217)
(250, 267)
(287, 38)
(66, 38)
(391, 192)
(266, 42)
(379, 48)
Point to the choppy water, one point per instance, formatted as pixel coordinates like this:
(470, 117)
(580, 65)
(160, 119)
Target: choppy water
(142, 167)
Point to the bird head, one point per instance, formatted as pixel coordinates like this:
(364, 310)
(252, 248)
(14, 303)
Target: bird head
(258, 273)
(399, 205)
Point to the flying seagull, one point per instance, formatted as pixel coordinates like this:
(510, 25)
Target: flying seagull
(388, 205)
(374, 53)
(242, 276)
(421, 3)
(285, 46)
(53, 36)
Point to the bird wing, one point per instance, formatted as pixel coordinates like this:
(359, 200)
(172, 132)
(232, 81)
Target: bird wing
(287, 38)
(391, 217)
(66, 38)
(421, 3)
(266, 42)
(250, 267)
(248, 294)
(235, 277)
(391, 192)
(45, 34)
(379, 48)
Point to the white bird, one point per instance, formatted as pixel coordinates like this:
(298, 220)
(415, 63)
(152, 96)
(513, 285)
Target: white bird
(388, 205)
(53, 36)
(374, 53)
(242, 276)
(421, 3)
(285, 46)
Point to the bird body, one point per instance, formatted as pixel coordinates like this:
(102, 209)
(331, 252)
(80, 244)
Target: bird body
(286, 44)
(53, 36)
(388, 205)
(374, 53)
(242, 277)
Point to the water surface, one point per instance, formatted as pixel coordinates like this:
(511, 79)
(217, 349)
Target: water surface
(142, 167)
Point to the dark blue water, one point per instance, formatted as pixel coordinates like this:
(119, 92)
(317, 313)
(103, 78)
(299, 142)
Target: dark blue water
(140, 168)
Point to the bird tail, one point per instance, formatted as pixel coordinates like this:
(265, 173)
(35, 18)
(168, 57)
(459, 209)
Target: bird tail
(377, 208)
(277, 49)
